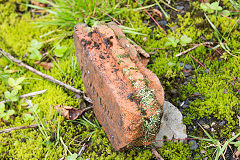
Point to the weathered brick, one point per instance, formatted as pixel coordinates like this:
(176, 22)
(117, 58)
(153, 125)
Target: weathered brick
(127, 97)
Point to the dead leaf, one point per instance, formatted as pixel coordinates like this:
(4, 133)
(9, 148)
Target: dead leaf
(70, 112)
(10, 71)
(37, 62)
(237, 155)
(157, 12)
(38, 4)
(47, 65)
(196, 94)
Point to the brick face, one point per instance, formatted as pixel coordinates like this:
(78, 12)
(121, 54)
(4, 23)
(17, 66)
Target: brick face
(110, 76)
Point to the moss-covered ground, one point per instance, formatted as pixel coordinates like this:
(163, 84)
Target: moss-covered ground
(212, 95)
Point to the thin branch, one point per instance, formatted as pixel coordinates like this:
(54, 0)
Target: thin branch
(83, 147)
(188, 50)
(17, 128)
(156, 154)
(200, 63)
(32, 94)
(81, 150)
(50, 78)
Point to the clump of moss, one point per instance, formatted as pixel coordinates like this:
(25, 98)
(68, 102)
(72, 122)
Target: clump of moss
(175, 150)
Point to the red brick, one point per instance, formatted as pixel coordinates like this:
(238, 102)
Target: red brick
(125, 93)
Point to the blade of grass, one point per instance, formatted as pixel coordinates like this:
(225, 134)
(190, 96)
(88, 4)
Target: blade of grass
(169, 5)
(58, 125)
(145, 7)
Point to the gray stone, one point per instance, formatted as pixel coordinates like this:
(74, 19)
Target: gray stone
(171, 124)
(180, 7)
(185, 106)
(181, 64)
(162, 22)
(222, 123)
(188, 67)
(193, 144)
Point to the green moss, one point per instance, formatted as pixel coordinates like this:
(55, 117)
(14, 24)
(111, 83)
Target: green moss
(175, 150)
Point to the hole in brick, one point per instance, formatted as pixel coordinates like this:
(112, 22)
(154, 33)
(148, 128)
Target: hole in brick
(91, 86)
(100, 102)
(84, 74)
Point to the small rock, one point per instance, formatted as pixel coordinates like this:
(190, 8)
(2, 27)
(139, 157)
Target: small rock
(206, 126)
(25, 55)
(188, 67)
(196, 94)
(187, 102)
(221, 123)
(203, 37)
(194, 144)
(144, 39)
(202, 97)
(171, 124)
(225, 91)
(181, 64)
(173, 91)
(23, 140)
(77, 96)
(185, 106)
(201, 122)
(189, 78)
(180, 7)
(145, 21)
(213, 130)
(173, 28)
(162, 22)
(190, 127)
(202, 151)
(185, 74)
(213, 124)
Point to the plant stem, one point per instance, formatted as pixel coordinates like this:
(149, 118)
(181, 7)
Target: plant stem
(32, 94)
(50, 78)
(17, 128)
(188, 50)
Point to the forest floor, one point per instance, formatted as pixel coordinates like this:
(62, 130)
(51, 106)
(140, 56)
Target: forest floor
(195, 52)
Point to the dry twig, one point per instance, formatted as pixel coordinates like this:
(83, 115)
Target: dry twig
(17, 128)
(50, 78)
(156, 154)
(188, 50)
(32, 94)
